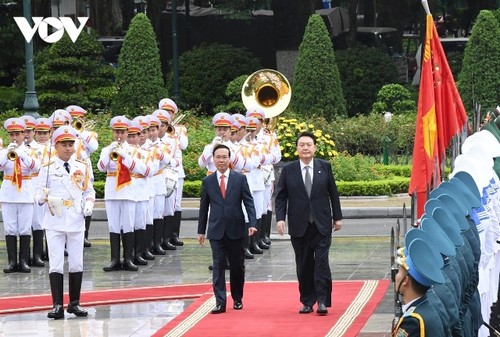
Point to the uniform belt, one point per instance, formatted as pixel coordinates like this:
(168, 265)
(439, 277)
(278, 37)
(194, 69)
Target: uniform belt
(137, 176)
(12, 177)
(111, 174)
(245, 171)
(67, 203)
(209, 172)
(159, 172)
(34, 175)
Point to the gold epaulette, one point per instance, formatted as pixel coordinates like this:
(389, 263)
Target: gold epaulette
(49, 163)
(81, 161)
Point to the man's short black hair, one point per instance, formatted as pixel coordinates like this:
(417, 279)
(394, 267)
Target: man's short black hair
(305, 134)
(221, 146)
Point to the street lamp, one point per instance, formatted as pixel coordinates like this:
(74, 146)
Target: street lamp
(387, 120)
(138, 4)
(30, 105)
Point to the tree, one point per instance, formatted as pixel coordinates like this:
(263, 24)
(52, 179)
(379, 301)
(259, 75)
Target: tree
(73, 73)
(478, 81)
(138, 77)
(317, 88)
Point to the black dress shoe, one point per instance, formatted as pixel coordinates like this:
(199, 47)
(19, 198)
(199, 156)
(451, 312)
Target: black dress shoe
(306, 309)
(86, 243)
(57, 312)
(237, 305)
(77, 310)
(219, 309)
(321, 309)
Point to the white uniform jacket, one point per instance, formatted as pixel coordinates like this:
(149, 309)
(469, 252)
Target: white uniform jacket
(74, 188)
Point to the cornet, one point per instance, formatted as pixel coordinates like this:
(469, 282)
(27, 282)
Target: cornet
(80, 125)
(12, 154)
(171, 126)
(114, 155)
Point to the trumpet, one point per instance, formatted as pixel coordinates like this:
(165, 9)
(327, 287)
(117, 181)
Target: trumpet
(171, 126)
(80, 125)
(12, 154)
(114, 155)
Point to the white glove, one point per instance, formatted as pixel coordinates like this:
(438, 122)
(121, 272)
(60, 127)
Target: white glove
(25, 157)
(55, 205)
(89, 207)
(113, 146)
(11, 146)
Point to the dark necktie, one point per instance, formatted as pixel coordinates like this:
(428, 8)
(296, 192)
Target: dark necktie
(66, 166)
(223, 186)
(308, 181)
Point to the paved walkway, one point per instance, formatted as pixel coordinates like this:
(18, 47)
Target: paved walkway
(361, 252)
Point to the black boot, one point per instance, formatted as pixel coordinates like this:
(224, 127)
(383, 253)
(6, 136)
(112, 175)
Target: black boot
(56, 288)
(86, 242)
(128, 242)
(75, 286)
(11, 243)
(148, 242)
(248, 254)
(267, 228)
(24, 253)
(36, 261)
(139, 247)
(157, 234)
(261, 234)
(254, 240)
(114, 241)
(177, 229)
(168, 227)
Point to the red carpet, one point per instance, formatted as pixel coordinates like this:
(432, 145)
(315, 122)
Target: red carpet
(271, 309)
(16, 304)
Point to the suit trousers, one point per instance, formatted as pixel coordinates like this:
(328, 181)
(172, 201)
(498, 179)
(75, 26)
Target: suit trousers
(313, 267)
(234, 250)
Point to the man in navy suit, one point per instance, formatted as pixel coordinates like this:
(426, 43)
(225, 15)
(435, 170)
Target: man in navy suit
(224, 192)
(308, 195)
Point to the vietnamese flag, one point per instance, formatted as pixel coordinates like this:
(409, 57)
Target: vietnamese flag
(440, 116)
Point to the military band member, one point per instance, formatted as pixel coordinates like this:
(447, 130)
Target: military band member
(269, 140)
(181, 137)
(44, 151)
(85, 144)
(161, 153)
(64, 186)
(17, 192)
(143, 191)
(29, 135)
(171, 177)
(144, 143)
(117, 161)
(60, 117)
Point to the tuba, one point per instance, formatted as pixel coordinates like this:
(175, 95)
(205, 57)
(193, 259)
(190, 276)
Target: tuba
(268, 89)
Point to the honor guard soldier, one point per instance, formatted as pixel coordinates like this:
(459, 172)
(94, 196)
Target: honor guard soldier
(117, 161)
(269, 141)
(17, 192)
(171, 177)
(85, 144)
(64, 186)
(143, 191)
(418, 271)
(44, 151)
(60, 117)
(179, 133)
(161, 153)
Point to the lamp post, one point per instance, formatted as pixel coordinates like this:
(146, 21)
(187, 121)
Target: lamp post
(175, 50)
(30, 105)
(138, 4)
(385, 153)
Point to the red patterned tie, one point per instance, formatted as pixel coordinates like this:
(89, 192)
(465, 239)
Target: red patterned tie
(223, 186)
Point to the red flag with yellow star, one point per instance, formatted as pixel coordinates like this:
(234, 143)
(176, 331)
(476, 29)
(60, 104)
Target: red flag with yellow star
(440, 116)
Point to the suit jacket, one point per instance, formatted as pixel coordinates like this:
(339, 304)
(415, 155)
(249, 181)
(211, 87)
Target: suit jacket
(292, 198)
(226, 215)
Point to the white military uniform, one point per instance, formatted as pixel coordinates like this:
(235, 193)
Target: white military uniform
(64, 223)
(45, 152)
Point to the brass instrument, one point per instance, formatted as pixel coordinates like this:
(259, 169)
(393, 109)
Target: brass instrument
(171, 126)
(269, 90)
(114, 155)
(80, 125)
(12, 154)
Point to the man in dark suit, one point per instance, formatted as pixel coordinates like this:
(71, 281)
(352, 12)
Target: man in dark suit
(308, 195)
(224, 192)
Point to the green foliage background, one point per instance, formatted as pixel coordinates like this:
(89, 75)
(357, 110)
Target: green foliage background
(317, 89)
(479, 81)
(139, 78)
